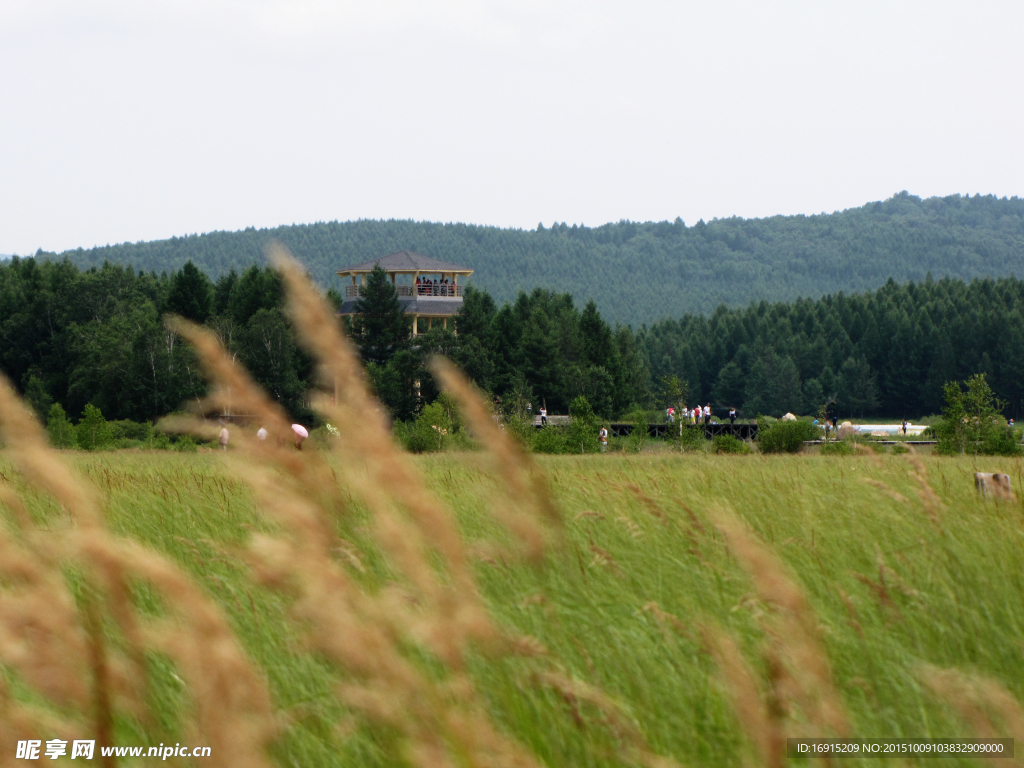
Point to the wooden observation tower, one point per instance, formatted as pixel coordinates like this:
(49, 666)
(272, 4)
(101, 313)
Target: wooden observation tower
(427, 288)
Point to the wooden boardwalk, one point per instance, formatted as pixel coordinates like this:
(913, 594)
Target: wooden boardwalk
(741, 431)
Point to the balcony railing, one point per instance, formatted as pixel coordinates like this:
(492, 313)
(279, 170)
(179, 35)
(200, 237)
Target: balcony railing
(414, 291)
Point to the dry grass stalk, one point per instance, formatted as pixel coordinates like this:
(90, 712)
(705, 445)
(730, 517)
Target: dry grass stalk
(650, 504)
(234, 714)
(987, 707)
(39, 631)
(665, 621)
(361, 634)
(11, 500)
(762, 724)
(409, 521)
(508, 461)
(854, 620)
(391, 482)
(576, 693)
(38, 463)
(233, 711)
(443, 721)
(929, 498)
(19, 721)
(884, 488)
(805, 673)
(234, 389)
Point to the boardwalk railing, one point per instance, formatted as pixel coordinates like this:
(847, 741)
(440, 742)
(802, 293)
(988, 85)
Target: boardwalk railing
(741, 431)
(413, 291)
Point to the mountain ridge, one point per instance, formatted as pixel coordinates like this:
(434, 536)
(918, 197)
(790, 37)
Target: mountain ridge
(640, 273)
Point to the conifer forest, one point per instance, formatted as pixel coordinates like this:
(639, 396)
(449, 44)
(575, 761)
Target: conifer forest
(96, 337)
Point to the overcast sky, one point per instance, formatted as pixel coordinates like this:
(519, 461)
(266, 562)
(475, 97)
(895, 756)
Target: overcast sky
(124, 120)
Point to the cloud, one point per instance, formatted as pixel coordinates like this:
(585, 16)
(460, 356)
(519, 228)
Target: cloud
(277, 22)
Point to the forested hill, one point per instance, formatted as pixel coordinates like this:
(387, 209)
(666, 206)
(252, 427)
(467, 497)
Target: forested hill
(641, 273)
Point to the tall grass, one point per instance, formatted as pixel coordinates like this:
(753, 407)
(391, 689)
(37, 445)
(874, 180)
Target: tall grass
(358, 606)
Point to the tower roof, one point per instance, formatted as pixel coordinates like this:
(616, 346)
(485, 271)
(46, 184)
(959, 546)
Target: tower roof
(406, 261)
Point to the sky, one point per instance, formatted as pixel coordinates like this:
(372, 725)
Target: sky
(123, 121)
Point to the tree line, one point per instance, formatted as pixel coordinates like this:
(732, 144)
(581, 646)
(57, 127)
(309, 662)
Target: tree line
(644, 272)
(888, 352)
(96, 337)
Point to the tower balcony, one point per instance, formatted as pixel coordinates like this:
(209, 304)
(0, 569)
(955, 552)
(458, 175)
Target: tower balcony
(408, 292)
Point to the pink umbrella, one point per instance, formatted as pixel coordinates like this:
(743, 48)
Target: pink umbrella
(300, 435)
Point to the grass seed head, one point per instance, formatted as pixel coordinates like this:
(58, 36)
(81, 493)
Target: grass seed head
(793, 630)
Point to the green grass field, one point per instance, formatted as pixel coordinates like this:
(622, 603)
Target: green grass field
(896, 583)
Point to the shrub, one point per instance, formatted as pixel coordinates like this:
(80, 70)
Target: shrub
(420, 436)
(437, 428)
(61, 431)
(838, 448)
(897, 449)
(550, 439)
(93, 431)
(130, 430)
(729, 444)
(999, 441)
(521, 428)
(582, 434)
(639, 436)
(972, 422)
(784, 436)
(186, 444)
(692, 437)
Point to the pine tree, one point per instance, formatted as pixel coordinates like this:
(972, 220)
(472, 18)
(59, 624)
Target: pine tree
(191, 294)
(598, 345)
(380, 326)
(222, 292)
(857, 389)
(37, 396)
(256, 289)
(476, 317)
(730, 387)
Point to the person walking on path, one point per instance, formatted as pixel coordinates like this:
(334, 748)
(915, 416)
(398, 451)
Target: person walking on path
(543, 416)
(223, 438)
(602, 437)
(707, 415)
(732, 416)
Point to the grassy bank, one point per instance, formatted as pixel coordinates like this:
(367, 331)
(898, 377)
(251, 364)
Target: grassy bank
(903, 568)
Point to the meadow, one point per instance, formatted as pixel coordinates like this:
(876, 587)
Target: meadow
(352, 604)
(902, 582)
